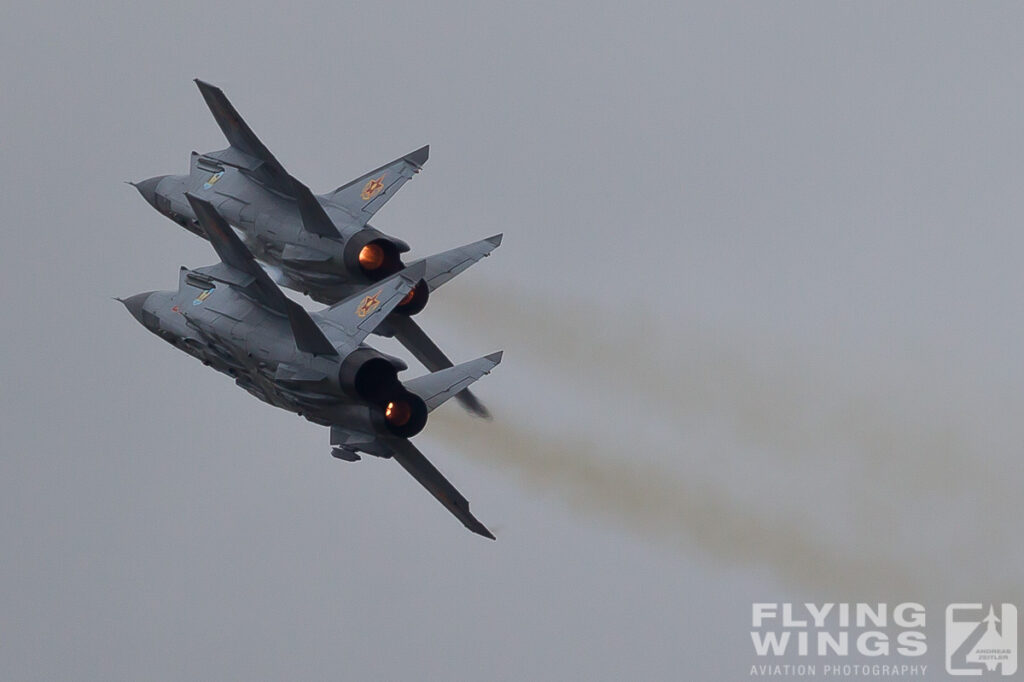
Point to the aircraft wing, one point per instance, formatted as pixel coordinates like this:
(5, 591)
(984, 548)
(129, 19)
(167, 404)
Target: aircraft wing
(242, 139)
(413, 461)
(243, 272)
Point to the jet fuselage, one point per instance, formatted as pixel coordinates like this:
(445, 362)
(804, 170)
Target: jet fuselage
(238, 337)
(325, 268)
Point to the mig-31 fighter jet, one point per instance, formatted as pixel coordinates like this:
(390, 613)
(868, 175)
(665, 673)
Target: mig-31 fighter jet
(234, 318)
(322, 246)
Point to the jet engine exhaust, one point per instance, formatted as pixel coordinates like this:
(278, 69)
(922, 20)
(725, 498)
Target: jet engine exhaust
(415, 301)
(398, 413)
(405, 415)
(376, 259)
(371, 257)
(371, 376)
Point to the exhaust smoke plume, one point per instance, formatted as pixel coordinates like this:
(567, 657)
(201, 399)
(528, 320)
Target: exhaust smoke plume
(660, 505)
(830, 480)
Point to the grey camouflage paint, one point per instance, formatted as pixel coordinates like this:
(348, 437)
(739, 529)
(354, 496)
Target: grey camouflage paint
(232, 317)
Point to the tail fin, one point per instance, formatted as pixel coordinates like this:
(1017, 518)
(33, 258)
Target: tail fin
(356, 317)
(365, 195)
(442, 267)
(436, 388)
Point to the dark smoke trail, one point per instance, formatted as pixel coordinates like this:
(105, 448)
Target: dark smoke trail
(661, 505)
(870, 463)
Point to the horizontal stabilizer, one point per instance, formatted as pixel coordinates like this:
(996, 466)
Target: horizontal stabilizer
(364, 196)
(442, 267)
(437, 387)
(411, 335)
(413, 461)
(356, 317)
(233, 254)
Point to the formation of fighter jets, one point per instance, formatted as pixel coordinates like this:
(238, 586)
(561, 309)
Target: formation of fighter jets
(233, 316)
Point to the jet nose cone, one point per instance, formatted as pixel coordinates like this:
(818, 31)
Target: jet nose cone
(147, 188)
(134, 304)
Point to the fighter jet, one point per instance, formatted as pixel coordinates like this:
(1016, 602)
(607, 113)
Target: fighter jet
(322, 246)
(234, 318)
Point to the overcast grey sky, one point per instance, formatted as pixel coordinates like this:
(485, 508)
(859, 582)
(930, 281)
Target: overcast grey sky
(759, 295)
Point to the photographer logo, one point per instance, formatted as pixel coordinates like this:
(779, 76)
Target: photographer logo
(980, 640)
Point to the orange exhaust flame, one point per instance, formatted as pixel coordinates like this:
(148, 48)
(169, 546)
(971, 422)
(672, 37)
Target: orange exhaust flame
(371, 257)
(398, 413)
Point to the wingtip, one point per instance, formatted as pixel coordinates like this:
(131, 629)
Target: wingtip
(495, 357)
(480, 529)
(420, 156)
(206, 89)
(496, 239)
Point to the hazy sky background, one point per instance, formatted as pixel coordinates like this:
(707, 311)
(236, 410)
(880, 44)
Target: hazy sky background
(759, 295)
